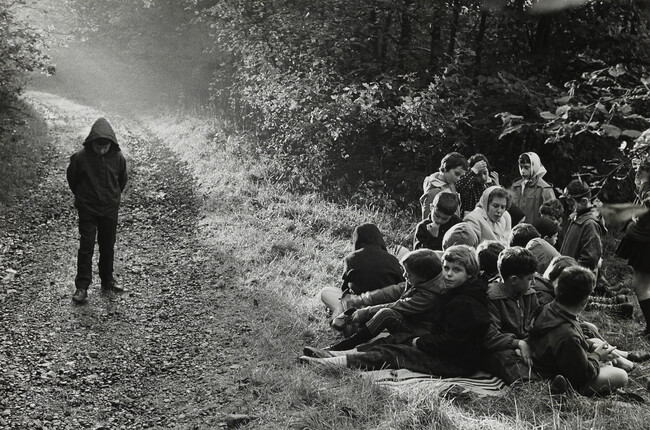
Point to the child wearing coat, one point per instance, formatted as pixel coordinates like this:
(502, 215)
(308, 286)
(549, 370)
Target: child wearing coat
(97, 176)
(452, 167)
(429, 232)
(531, 191)
(453, 346)
(559, 347)
(490, 219)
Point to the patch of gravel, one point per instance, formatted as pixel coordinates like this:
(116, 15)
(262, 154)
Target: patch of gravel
(167, 353)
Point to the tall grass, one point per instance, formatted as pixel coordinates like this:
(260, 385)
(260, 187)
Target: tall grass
(289, 247)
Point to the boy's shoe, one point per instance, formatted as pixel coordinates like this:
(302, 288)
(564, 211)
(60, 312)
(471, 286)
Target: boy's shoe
(80, 295)
(617, 299)
(638, 356)
(112, 286)
(311, 351)
(623, 310)
(559, 385)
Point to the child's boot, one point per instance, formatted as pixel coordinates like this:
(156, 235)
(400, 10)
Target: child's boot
(80, 295)
(362, 336)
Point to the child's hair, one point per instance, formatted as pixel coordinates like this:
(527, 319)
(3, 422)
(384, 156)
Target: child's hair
(446, 202)
(522, 233)
(423, 262)
(574, 285)
(479, 157)
(500, 192)
(453, 160)
(488, 255)
(460, 234)
(552, 209)
(516, 261)
(524, 159)
(546, 227)
(577, 189)
(557, 266)
(465, 256)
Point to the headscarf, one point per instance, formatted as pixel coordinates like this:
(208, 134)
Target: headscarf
(537, 170)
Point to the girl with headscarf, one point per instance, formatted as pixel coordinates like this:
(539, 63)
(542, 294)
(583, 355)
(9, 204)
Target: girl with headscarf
(490, 219)
(531, 191)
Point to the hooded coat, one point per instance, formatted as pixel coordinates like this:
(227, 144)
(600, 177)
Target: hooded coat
(483, 226)
(529, 194)
(96, 180)
(543, 251)
(370, 266)
(559, 347)
(582, 239)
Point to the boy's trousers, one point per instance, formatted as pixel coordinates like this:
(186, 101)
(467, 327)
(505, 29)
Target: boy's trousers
(105, 229)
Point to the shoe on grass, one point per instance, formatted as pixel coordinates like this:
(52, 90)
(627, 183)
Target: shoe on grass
(311, 351)
(638, 356)
(80, 295)
(559, 385)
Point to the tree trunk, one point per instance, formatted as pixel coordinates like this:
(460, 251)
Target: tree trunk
(479, 47)
(453, 28)
(405, 35)
(542, 35)
(435, 45)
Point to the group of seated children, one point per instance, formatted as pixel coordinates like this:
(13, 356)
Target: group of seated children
(481, 291)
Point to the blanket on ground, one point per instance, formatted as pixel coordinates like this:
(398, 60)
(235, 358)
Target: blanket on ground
(481, 383)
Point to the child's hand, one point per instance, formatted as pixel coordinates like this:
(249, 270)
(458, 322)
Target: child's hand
(433, 229)
(524, 352)
(605, 352)
(479, 167)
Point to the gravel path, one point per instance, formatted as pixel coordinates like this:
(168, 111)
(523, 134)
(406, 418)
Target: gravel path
(166, 353)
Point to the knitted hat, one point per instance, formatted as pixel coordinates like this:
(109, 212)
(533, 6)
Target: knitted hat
(546, 227)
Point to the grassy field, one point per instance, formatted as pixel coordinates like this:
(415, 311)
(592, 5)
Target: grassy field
(291, 246)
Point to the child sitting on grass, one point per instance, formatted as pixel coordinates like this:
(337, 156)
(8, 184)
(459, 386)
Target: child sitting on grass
(488, 257)
(511, 303)
(429, 232)
(452, 167)
(453, 347)
(369, 267)
(527, 236)
(559, 348)
(398, 308)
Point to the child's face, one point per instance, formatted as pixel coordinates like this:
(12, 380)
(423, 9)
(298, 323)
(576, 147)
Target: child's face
(482, 176)
(453, 175)
(453, 274)
(100, 147)
(521, 284)
(524, 170)
(410, 277)
(496, 208)
(439, 217)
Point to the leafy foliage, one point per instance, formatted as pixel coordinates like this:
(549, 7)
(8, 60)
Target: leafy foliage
(21, 51)
(361, 99)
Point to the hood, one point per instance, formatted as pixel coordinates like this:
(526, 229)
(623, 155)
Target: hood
(435, 285)
(435, 180)
(550, 317)
(101, 129)
(497, 291)
(543, 284)
(460, 234)
(537, 170)
(368, 235)
(543, 251)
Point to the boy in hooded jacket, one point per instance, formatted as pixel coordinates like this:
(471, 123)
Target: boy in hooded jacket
(97, 175)
(531, 191)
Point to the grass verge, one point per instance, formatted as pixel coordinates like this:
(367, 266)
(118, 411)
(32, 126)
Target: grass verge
(289, 247)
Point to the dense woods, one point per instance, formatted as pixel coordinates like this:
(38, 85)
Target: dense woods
(360, 100)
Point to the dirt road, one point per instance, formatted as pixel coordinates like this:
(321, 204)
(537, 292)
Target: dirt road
(166, 353)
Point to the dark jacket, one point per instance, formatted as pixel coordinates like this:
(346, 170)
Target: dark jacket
(413, 302)
(640, 229)
(558, 346)
(459, 324)
(97, 181)
(370, 266)
(510, 315)
(544, 289)
(424, 239)
(582, 240)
